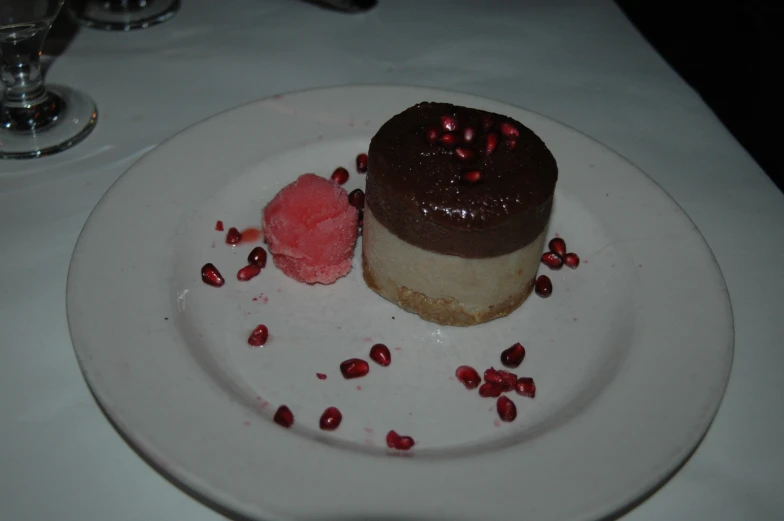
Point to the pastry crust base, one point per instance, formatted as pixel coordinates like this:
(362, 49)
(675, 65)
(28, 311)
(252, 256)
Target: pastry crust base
(447, 289)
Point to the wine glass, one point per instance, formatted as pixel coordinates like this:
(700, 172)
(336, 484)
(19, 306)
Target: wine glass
(35, 119)
(122, 15)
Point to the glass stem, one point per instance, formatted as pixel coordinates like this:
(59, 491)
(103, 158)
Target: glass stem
(20, 67)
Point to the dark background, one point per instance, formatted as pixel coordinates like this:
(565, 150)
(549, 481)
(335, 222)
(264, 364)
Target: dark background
(731, 54)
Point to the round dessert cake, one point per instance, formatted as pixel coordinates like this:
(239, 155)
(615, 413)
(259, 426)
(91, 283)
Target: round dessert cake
(456, 210)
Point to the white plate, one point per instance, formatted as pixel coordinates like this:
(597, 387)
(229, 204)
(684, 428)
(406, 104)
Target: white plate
(631, 354)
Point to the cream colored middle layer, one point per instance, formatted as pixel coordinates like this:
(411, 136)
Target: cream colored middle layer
(476, 284)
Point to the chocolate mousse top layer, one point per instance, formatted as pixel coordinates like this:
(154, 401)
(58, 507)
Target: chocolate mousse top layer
(460, 181)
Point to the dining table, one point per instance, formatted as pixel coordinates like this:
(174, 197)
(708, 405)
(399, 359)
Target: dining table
(578, 62)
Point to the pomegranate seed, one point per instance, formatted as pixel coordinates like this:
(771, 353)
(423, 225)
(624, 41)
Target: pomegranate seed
(466, 154)
(340, 175)
(405, 443)
(396, 441)
(468, 134)
(558, 246)
(513, 356)
(233, 236)
(506, 408)
(357, 199)
(330, 419)
(508, 130)
(492, 142)
(449, 123)
(468, 376)
(321, 376)
(380, 354)
(219, 226)
(248, 272)
(431, 135)
(572, 260)
(493, 376)
(508, 380)
(284, 417)
(354, 368)
(526, 387)
(257, 257)
(544, 286)
(552, 260)
(362, 163)
(487, 122)
(488, 390)
(511, 144)
(211, 276)
(259, 336)
(472, 176)
(448, 140)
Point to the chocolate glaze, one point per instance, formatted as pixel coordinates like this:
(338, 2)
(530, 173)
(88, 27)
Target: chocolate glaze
(415, 189)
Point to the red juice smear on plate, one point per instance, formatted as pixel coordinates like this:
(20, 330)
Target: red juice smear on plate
(250, 235)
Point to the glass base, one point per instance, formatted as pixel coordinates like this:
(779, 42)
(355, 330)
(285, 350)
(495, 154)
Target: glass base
(77, 119)
(100, 14)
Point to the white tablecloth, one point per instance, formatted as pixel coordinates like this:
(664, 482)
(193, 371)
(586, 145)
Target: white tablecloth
(580, 62)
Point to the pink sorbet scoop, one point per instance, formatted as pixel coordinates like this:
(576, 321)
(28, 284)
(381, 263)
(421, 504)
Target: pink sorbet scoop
(311, 230)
